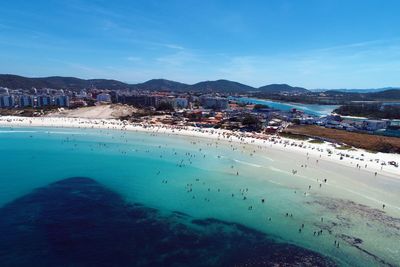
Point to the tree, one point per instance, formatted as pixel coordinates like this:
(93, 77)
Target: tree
(251, 121)
(260, 106)
(165, 106)
(296, 121)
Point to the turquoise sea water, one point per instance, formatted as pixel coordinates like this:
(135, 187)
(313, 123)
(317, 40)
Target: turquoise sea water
(314, 109)
(223, 181)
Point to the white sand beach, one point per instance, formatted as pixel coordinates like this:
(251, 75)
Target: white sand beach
(357, 158)
(311, 180)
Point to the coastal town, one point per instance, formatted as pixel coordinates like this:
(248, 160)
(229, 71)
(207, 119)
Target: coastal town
(211, 110)
(199, 133)
(288, 140)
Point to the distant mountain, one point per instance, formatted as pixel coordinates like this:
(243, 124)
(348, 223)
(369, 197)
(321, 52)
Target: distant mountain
(277, 88)
(391, 94)
(387, 95)
(218, 86)
(72, 83)
(57, 82)
(160, 84)
(221, 86)
(14, 82)
(336, 92)
(371, 90)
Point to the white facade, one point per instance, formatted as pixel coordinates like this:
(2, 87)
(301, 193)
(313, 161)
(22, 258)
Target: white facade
(181, 102)
(62, 101)
(214, 102)
(6, 101)
(25, 101)
(103, 97)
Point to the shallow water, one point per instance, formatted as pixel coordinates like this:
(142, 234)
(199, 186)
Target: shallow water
(78, 222)
(311, 109)
(222, 181)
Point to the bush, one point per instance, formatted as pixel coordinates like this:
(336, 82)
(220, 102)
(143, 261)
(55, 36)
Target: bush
(260, 106)
(296, 121)
(251, 121)
(165, 106)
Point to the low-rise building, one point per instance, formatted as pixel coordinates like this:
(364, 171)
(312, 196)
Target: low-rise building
(373, 125)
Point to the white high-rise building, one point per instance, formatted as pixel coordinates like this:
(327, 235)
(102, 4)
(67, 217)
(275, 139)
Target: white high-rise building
(6, 101)
(103, 97)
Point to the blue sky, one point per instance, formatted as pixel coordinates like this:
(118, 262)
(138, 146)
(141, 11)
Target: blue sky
(310, 43)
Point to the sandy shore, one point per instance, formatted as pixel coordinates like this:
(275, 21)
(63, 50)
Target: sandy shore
(114, 111)
(351, 201)
(355, 158)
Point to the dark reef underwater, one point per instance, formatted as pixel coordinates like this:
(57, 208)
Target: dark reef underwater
(78, 222)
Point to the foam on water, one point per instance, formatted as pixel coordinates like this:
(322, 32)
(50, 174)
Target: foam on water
(15, 131)
(248, 163)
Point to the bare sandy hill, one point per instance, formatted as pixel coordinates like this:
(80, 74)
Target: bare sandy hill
(96, 112)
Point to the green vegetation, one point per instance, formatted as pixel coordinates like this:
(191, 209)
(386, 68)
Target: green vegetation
(330, 97)
(316, 141)
(296, 121)
(251, 121)
(370, 110)
(260, 106)
(294, 136)
(165, 106)
(27, 111)
(360, 140)
(345, 147)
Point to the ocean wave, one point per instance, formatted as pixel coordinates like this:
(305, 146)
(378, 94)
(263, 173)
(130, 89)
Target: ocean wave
(18, 131)
(247, 163)
(278, 170)
(71, 133)
(268, 158)
(273, 182)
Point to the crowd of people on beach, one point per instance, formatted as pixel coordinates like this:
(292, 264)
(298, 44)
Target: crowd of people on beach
(352, 157)
(206, 138)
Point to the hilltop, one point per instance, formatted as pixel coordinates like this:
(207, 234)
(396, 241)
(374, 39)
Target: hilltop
(276, 88)
(72, 83)
(271, 91)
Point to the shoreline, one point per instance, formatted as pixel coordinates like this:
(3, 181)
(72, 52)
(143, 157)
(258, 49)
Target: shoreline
(351, 193)
(295, 104)
(351, 158)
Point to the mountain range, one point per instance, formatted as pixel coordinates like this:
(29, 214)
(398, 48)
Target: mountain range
(219, 86)
(368, 90)
(72, 83)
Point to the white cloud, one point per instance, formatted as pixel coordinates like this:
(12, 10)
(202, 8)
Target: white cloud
(174, 46)
(133, 59)
(364, 65)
